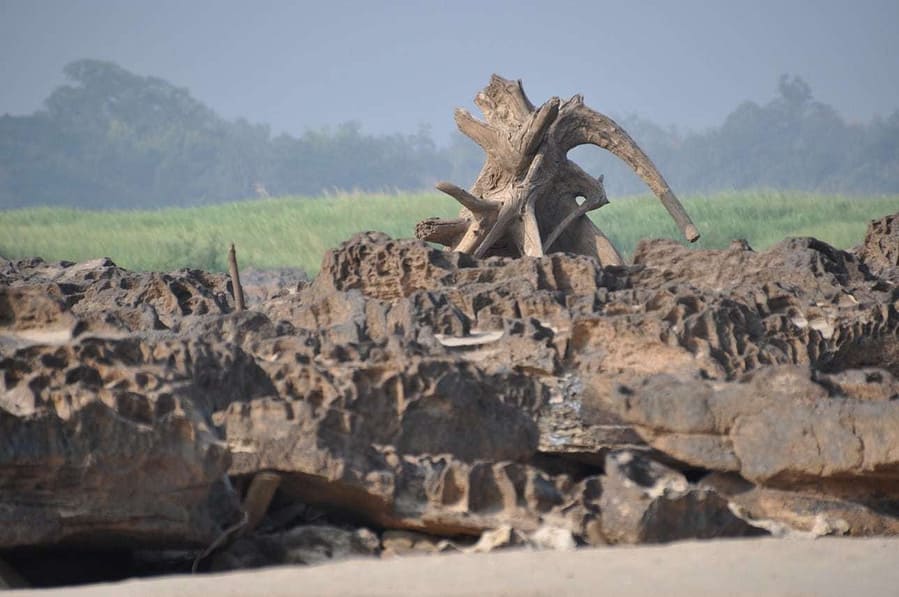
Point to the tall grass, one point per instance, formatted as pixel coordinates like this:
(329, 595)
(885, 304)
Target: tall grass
(296, 231)
(763, 218)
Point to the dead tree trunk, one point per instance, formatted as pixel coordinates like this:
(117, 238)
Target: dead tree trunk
(525, 200)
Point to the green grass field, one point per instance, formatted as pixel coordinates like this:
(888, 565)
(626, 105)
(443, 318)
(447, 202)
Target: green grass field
(296, 231)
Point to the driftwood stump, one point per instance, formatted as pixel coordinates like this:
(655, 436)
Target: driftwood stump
(525, 201)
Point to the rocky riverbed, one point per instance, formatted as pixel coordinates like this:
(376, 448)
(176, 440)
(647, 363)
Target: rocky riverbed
(411, 400)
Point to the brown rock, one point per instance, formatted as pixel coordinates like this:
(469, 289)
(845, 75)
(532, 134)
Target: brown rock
(355, 436)
(639, 500)
(799, 267)
(27, 308)
(100, 291)
(109, 442)
(402, 543)
(574, 424)
(776, 426)
(529, 401)
(260, 286)
(307, 544)
(880, 250)
(804, 511)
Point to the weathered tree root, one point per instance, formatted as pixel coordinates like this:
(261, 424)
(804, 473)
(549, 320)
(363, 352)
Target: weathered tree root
(525, 200)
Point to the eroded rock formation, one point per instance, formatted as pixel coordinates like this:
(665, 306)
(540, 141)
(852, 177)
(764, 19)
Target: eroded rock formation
(411, 399)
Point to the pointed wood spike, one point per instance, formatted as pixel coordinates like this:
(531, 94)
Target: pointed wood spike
(521, 103)
(475, 130)
(469, 201)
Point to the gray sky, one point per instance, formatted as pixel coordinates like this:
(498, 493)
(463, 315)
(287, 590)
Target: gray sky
(395, 65)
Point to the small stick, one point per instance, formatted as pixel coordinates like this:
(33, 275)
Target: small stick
(236, 288)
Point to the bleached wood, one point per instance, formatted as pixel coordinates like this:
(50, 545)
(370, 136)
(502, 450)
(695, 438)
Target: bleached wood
(469, 201)
(440, 231)
(525, 199)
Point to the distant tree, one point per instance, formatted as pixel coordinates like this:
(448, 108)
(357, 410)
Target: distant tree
(111, 138)
(792, 142)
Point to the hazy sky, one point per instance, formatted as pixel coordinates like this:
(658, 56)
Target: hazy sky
(395, 65)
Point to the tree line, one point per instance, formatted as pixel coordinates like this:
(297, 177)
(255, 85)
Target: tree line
(114, 139)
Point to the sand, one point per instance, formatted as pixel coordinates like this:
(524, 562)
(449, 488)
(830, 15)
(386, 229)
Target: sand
(728, 567)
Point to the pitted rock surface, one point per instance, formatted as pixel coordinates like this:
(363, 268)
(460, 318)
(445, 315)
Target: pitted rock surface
(776, 426)
(880, 250)
(694, 394)
(101, 291)
(108, 442)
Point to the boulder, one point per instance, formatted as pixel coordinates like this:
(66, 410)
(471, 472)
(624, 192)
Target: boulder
(639, 500)
(776, 426)
(109, 441)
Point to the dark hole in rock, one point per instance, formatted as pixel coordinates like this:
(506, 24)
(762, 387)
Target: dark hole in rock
(569, 464)
(84, 374)
(183, 296)
(880, 351)
(165, 403)
(694, 475)
(485, 494)
(69, 566)
(886, 506)
(54, 361)
(7, 315)
(454, 489)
